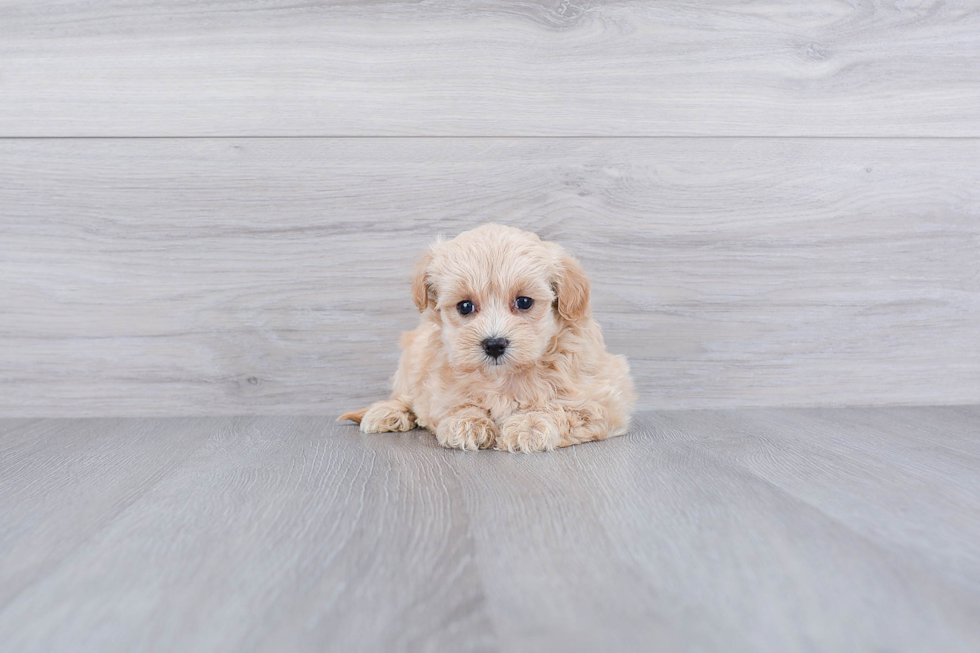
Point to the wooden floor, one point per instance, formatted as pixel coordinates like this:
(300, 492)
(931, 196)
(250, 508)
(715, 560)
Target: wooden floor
(775, 529)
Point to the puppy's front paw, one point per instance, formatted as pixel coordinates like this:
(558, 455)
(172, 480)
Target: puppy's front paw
(527, 432)
(387, 416)
(467, 429)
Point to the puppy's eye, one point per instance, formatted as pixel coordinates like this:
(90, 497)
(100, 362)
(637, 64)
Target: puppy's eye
(524, 303)
(465, 307)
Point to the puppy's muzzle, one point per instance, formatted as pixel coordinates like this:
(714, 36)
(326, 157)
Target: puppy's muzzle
(495, 347)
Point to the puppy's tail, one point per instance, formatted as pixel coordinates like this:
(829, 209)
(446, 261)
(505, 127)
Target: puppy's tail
(353, 415)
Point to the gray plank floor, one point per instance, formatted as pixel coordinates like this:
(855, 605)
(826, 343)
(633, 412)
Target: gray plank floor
(772, 529)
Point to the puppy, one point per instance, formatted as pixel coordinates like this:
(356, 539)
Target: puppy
(507, 354)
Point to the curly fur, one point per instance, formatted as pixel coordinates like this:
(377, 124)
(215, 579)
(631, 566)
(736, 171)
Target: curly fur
(555, 385)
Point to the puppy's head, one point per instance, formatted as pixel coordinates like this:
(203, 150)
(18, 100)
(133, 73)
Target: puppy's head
(501, 295)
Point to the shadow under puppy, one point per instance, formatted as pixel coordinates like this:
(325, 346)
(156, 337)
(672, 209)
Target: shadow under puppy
(507, 354)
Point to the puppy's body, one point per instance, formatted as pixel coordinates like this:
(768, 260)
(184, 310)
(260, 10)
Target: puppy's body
(484, 369)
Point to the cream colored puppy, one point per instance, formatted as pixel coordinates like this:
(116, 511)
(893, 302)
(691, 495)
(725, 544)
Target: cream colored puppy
(507, 354)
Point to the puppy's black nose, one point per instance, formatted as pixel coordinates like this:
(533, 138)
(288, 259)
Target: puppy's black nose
(495, 346)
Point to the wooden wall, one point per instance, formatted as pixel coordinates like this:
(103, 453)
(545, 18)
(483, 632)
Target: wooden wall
(213, 208)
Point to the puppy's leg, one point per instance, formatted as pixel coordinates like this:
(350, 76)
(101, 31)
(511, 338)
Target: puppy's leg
(466, 427)
(549, 428)
(386, 416)
(533, 430)
(592, 421)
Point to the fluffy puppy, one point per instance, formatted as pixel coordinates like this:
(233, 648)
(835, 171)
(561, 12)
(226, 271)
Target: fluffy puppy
(507, 354)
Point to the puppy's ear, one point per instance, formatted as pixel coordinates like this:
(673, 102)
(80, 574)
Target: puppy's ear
(572, 289)
(422, 291)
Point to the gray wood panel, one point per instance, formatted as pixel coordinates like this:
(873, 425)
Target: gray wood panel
(62, 481)
(335, 533)
(736, 530)
(226, 276)
(862, 467)
(229, 67)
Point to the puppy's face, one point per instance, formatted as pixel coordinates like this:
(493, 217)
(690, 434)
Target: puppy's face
(501, 295)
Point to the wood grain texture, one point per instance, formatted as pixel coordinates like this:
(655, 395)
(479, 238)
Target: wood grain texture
(735, 530)
(543, 67)
(282, 534)
(62, 481)
(156, 277)
(861, 467)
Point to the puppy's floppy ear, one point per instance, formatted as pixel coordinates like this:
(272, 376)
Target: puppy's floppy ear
(571, 288)
(422, 291)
